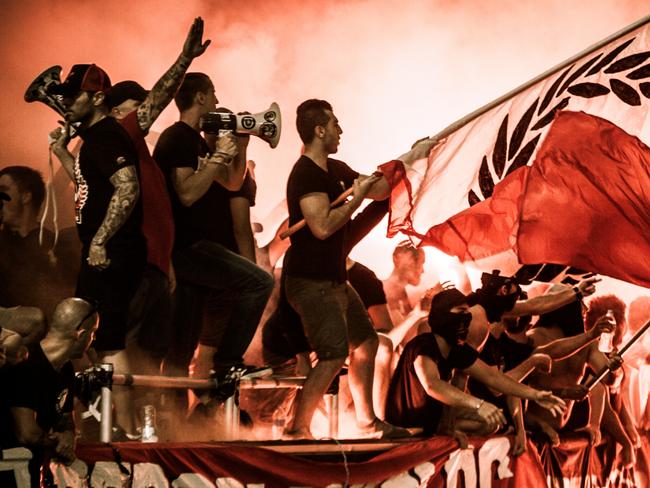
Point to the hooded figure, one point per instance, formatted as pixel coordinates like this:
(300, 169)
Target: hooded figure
(453, 327)
(488, 296)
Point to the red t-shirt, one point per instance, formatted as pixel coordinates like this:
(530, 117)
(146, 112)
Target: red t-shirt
(157, 220)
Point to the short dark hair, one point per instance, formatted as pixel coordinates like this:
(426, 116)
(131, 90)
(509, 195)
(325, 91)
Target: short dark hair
(27, 180)
(310, 114)
(193, 83)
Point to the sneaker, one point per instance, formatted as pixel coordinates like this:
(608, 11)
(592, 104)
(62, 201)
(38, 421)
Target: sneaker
(379, 429)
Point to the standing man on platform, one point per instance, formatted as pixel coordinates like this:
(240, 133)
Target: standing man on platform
(108, 211)
(333, 317)
(200, 183)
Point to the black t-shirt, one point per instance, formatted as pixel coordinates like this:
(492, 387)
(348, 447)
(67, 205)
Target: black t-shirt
(505, 353)
(407, 403)
(36, 385)
(320, 259)
(209, 218)
(107, 148)
(367, 285)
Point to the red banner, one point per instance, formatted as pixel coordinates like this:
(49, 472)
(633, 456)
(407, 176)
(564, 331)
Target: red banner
(435, 462)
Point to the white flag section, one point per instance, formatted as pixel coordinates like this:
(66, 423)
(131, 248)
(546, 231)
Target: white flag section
(611, 81)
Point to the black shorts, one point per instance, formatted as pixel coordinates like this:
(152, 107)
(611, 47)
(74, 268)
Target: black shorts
(112, 288)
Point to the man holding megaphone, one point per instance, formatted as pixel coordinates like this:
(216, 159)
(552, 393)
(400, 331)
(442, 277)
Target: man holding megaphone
(201, 184)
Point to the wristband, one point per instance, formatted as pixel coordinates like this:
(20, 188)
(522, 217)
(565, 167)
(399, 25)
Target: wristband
(578, 293)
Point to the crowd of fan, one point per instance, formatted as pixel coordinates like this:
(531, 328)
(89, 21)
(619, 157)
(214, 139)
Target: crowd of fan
(169, 280)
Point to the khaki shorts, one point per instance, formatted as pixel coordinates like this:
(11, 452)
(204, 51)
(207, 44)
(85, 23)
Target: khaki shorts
(333, 317)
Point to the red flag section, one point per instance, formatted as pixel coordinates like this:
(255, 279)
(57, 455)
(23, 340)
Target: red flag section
(486, 229)
(481, 152)
(587, 200)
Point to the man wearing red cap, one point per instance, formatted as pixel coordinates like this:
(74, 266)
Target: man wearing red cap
(107, 207)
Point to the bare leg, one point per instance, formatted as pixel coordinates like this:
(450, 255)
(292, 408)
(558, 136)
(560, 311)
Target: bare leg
(382, 375)
(316, 384)
(360, 378)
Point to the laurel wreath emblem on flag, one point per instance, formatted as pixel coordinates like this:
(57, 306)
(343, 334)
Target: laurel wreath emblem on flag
(511, 155)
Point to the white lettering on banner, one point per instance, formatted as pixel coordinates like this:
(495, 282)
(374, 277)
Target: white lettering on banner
(229, 483)
(423, 472)
(148, 475)
(495, 449)
(192, 480)
(461, 460)
(107, 474)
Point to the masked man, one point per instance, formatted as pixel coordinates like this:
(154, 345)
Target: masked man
(420, 385)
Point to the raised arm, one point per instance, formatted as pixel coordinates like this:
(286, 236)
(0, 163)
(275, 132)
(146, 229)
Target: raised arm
(562, 348)
(126, 191)
(165, 88)
(552, 301)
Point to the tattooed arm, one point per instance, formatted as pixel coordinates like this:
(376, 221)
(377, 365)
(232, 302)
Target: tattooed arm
(165, 88)
(125, 196)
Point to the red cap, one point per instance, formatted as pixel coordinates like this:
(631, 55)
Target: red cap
(86, 77)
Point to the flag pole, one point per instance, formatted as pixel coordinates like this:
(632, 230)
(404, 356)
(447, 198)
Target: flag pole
(486, 108)
(605, 369)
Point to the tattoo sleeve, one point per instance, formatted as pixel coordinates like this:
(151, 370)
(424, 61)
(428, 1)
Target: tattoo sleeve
(162, 93)
(125, 196)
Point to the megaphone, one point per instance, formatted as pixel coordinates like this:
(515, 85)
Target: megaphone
(39, 91)
(266, 125)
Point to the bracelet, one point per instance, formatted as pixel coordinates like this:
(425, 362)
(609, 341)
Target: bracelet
(578, 293)
(480, 404)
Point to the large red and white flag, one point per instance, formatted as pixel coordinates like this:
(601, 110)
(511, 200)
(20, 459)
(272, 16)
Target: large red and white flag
(471, 166)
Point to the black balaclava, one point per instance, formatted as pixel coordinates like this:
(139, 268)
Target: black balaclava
(486, 296)
(452, 327)
(569, 318)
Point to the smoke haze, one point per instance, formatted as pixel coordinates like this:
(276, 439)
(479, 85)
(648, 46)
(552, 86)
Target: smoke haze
(394, 71)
